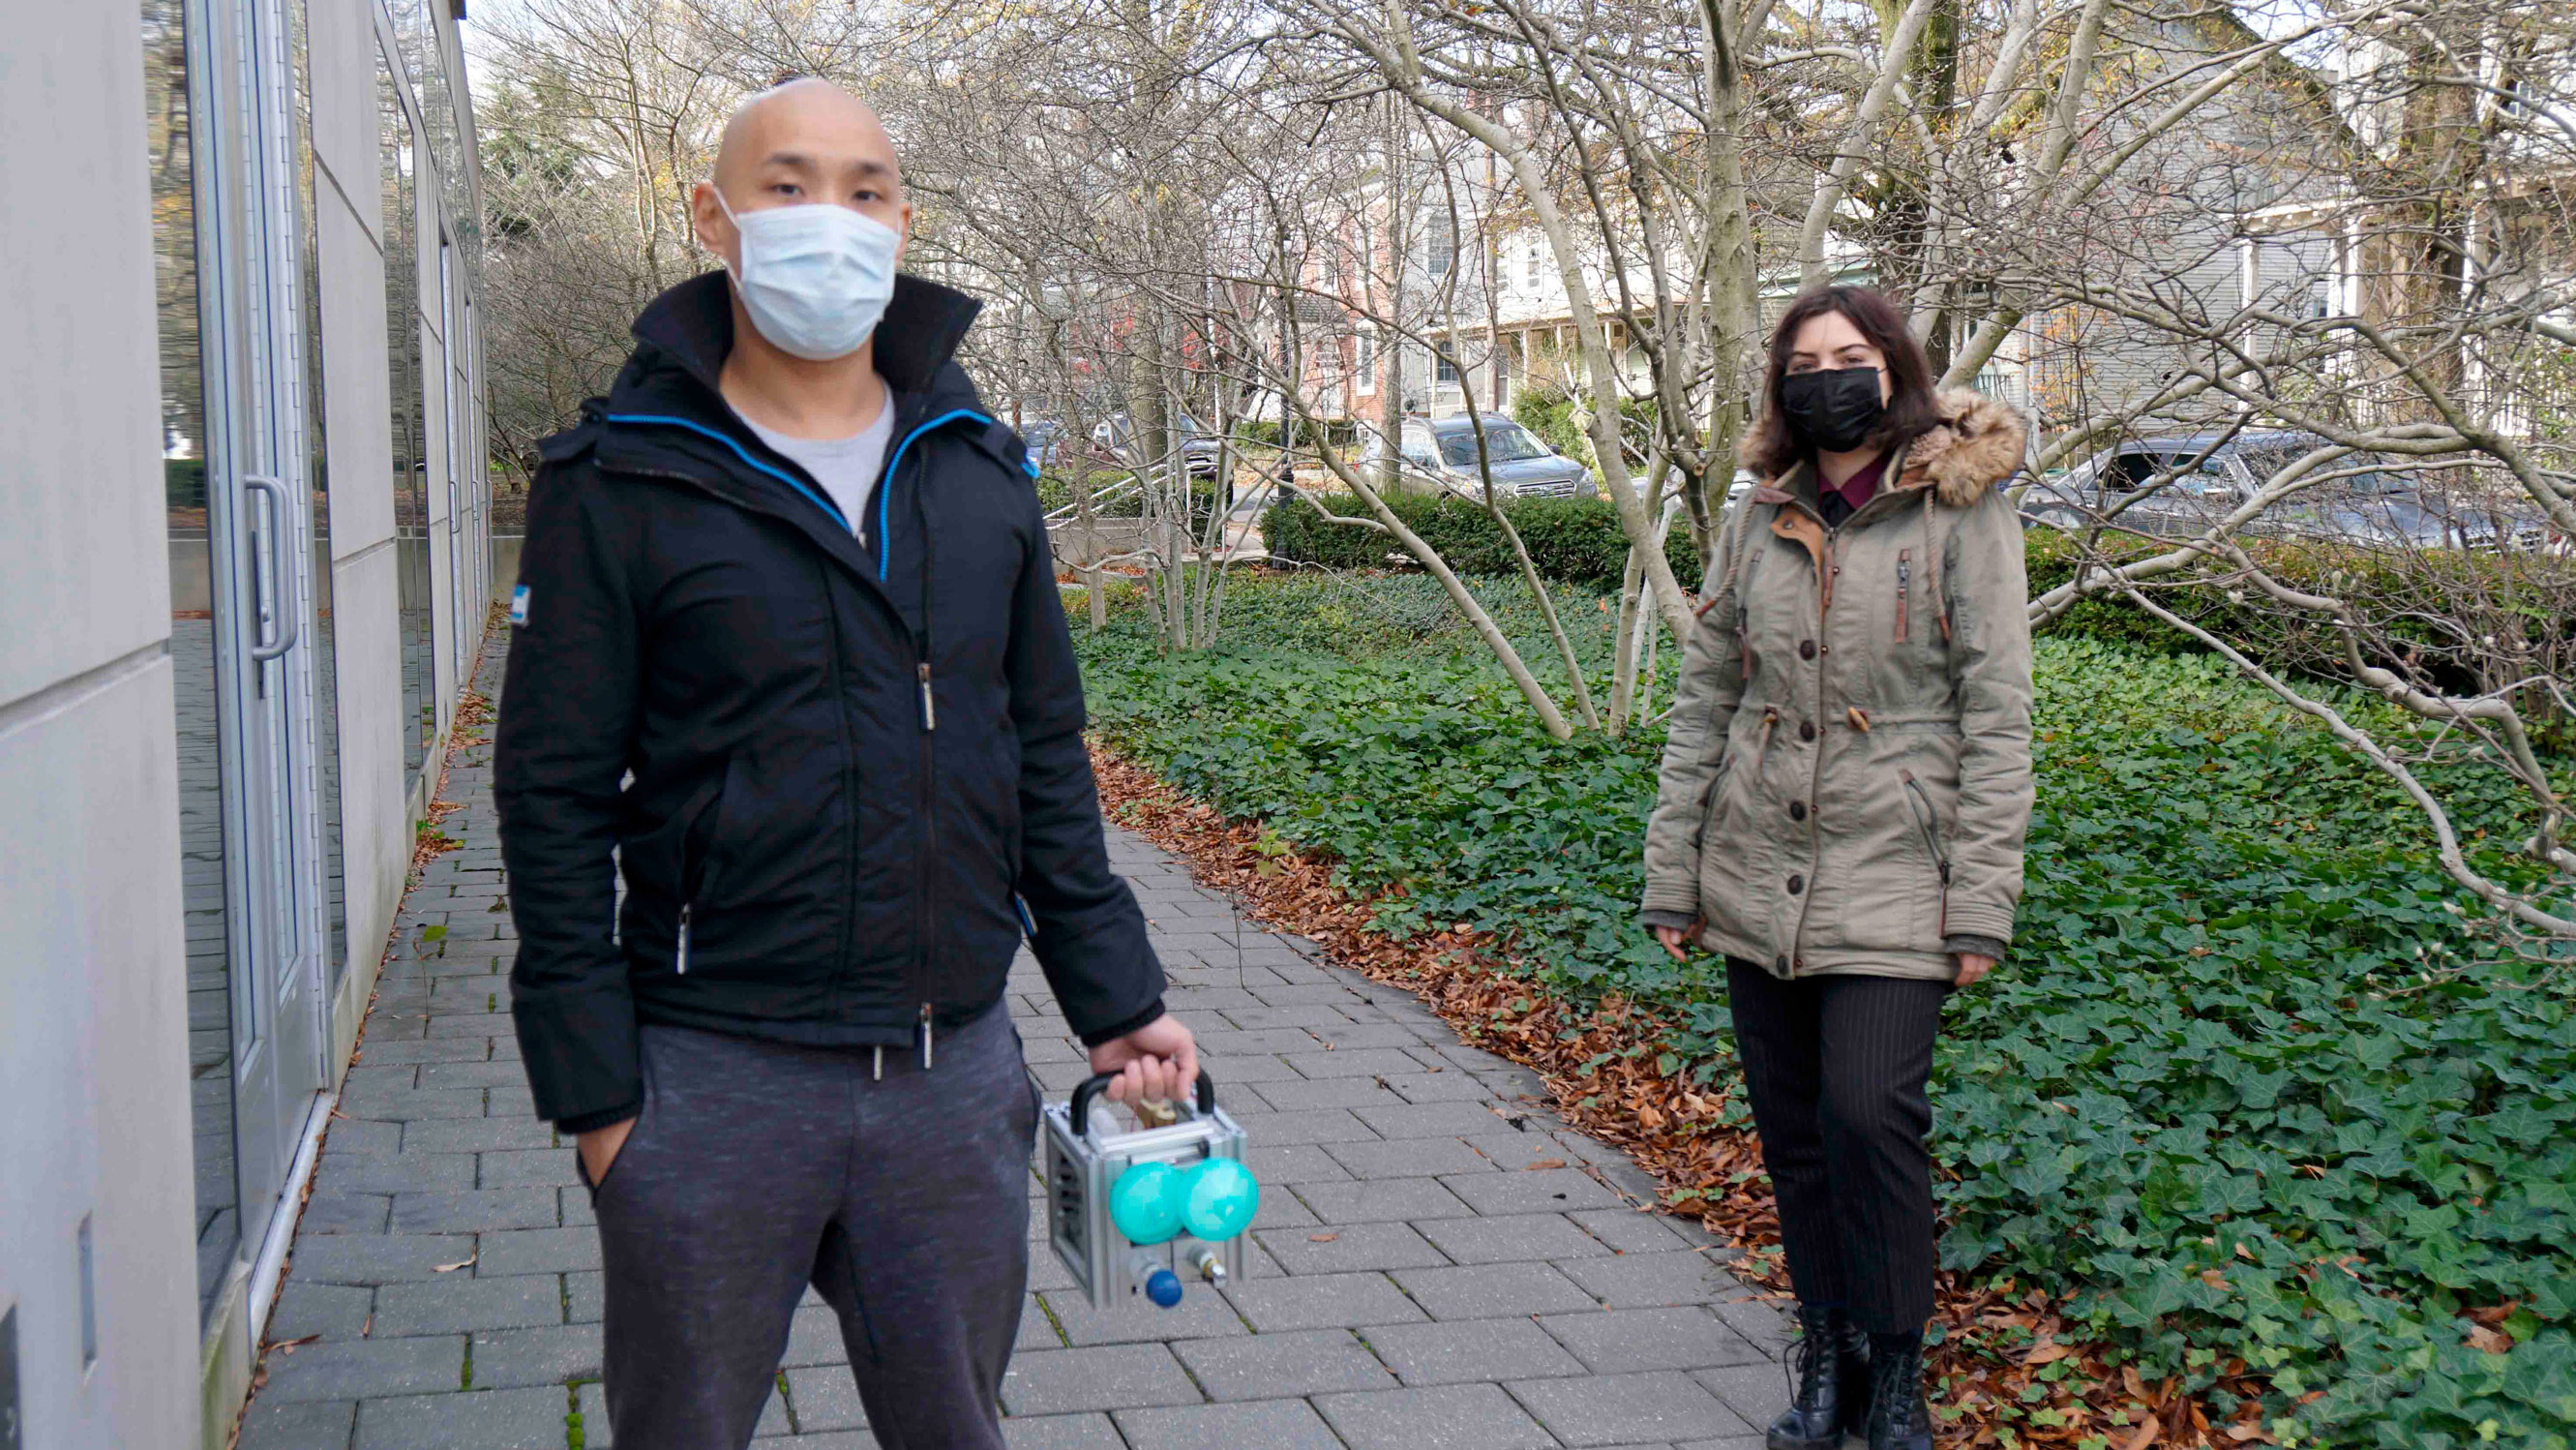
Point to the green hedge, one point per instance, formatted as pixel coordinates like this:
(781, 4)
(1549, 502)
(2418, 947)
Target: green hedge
(1571, 540)
(183, 482)
(2523, 598)
(2436, 611)
(1056, 491)
(1340, 432)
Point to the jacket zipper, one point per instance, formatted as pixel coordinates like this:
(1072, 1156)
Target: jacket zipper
(929, 752)
(1930, 821)
(1825, 571)
(849, 789)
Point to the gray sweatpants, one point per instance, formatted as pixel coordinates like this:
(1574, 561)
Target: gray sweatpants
(759, 1167)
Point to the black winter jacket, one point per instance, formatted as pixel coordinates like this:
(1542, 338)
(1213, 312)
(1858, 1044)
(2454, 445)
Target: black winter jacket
(857, 768)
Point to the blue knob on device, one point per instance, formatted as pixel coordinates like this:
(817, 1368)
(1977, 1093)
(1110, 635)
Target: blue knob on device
(1163, 1287)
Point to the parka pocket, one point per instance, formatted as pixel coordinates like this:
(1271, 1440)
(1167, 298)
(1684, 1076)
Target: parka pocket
(1709, 801)
(1928, 819)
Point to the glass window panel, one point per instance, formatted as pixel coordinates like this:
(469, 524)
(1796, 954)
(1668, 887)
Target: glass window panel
(168, 108)
(411, 456)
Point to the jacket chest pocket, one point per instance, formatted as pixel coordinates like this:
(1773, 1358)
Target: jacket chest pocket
(746, 614)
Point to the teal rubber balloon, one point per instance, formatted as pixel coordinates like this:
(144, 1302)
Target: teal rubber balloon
(1219, 1198)
(1146, 1201)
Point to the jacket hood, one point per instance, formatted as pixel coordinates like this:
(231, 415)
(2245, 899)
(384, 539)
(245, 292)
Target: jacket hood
(688, 332)
(1977, 444)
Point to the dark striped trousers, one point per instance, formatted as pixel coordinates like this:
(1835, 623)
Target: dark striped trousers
(1837, 1067)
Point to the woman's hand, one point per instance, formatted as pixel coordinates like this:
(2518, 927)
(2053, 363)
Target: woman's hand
(1675, 939)
(1971, 967)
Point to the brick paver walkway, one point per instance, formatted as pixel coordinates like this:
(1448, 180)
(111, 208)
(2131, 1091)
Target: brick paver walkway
(1441, 1262)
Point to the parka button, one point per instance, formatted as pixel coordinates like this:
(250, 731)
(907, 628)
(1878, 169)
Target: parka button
(1781, 965)
(1797, 810)
(1806, 729)
(1806, 649)
(1797, 884)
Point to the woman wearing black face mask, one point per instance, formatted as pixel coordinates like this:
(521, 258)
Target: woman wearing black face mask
(1841, 808)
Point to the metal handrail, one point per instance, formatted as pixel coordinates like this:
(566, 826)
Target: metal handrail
(1112, 494)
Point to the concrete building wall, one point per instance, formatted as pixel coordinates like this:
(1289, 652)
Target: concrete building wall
(121, 1348)
(93, 1008)
(358, 399)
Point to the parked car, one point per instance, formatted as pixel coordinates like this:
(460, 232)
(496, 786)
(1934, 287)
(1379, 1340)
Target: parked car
(1045, 440)
(1117, 437)
(2181, 485)
(1440, 453)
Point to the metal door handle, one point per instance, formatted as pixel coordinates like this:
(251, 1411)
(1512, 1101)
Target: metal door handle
(278, 500)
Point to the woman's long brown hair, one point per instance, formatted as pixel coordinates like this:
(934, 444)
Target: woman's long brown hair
(1773, 449)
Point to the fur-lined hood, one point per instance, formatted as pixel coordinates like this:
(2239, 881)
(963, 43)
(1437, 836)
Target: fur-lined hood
(1977, 444)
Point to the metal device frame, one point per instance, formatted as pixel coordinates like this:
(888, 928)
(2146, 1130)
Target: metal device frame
(1081, 1166)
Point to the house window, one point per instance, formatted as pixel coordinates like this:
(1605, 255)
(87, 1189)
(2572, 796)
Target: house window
(1440, 244)
(1448, 370)
(1530, 264)
(1364, 348)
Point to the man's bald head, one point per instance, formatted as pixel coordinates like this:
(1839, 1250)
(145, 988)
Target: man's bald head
(804, 142)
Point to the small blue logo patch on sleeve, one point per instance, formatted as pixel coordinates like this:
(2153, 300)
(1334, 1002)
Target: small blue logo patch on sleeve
(519, 605)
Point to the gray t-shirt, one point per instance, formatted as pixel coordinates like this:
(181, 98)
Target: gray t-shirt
(846, 467)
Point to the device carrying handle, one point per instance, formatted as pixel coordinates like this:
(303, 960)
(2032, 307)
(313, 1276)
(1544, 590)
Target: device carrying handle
(1098, 1082)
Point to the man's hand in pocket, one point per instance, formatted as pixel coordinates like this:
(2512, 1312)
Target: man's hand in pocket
(600, 1146)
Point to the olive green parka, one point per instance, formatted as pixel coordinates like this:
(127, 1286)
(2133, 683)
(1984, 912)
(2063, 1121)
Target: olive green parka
(1847, 778)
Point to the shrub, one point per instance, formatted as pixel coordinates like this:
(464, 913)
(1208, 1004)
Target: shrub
(1570, 540)
(183, 482)
(2526, 600)
(1055, 491)
(2465, 622)
(1548, 411)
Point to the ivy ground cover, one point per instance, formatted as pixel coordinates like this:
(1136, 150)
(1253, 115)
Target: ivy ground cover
(2252, 1095)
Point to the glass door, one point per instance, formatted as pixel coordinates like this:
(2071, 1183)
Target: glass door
(261, 584)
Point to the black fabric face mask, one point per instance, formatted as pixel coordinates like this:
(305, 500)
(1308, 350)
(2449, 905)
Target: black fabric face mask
(1832, 410)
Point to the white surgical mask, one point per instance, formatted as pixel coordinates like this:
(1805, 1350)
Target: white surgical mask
(815, 277)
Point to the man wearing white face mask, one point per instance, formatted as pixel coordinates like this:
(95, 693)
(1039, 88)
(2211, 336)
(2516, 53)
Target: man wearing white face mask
(787, 641)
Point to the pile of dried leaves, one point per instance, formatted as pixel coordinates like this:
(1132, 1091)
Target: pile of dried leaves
(2003, 1374)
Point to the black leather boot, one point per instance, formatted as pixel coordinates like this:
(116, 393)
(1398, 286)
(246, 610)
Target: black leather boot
(1830, 1363)
(1899, 1417)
